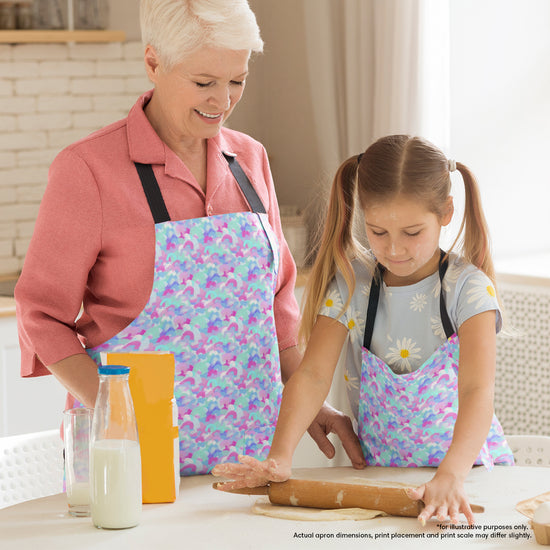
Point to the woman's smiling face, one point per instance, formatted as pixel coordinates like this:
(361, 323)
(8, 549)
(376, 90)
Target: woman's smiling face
(195, 97)
(404, 237)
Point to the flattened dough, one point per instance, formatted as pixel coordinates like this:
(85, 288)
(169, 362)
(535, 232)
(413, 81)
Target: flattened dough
(263, 507)
(528, 507)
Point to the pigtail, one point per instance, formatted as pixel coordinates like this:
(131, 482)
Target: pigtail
(337, 245)
(476, 245)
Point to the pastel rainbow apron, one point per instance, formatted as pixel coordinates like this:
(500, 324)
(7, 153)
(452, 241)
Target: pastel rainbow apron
(408, 419)
(211, 305)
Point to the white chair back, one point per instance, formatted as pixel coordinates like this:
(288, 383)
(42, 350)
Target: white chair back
(31, 466)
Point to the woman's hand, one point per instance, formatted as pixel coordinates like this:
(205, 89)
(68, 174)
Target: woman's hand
(330, 420)
(250, 472)
(443, 497)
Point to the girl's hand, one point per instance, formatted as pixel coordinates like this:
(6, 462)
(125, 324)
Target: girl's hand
(250, 472)
(443, 497)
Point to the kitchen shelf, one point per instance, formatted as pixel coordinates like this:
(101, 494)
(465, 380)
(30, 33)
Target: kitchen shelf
(47, 36)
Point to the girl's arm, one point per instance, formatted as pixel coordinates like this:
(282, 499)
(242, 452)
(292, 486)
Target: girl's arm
(303, 397)
(444, 495)
(328, 420)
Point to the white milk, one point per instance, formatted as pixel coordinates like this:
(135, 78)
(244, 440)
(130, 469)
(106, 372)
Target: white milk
(115, 479)
(78, 494)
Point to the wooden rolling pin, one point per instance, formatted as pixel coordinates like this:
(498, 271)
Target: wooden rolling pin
(330, 495)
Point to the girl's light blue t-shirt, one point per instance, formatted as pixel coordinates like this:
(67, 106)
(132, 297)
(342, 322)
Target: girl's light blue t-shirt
(408, 326)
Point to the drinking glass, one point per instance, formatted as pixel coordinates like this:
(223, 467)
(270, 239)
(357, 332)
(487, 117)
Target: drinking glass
(77, 427)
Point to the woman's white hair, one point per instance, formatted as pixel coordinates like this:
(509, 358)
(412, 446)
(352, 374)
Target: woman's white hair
(177, 28)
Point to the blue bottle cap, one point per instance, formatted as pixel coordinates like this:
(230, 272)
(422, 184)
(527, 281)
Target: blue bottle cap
(113, 369)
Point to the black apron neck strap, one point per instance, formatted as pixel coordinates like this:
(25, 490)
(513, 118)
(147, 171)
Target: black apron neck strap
(244, 183)
(158, 206)
(152, 192)
(374, 297)
(445, 320)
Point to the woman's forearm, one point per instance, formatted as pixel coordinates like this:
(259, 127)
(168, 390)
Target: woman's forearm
(78, 374)
(290, 361)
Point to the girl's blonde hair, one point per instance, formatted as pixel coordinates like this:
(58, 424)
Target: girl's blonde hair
(177, 28)
(397, 165)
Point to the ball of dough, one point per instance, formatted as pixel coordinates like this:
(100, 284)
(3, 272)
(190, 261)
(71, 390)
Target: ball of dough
(542, 513)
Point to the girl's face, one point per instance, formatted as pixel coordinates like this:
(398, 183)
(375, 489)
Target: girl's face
(404, 237)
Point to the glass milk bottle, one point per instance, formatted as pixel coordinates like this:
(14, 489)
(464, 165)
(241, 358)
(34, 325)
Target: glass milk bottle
(115, 460)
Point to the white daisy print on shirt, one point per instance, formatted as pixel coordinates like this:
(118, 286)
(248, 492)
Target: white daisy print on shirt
(352, 382)
(333, 300)
(356, 326)
(436, 289)
(400, 357)
(365, 290)
(437, 328)
(452, 274)
(482, 292)
(451, 277)
(418, 302)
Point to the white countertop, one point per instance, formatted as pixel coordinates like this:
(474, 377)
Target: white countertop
(202, 518)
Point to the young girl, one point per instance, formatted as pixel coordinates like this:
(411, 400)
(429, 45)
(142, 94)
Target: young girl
(401, 308)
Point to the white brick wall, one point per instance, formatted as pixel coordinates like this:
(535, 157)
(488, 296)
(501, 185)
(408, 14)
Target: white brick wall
(50, 96)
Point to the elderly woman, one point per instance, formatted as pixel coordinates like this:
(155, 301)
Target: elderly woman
(161, 232)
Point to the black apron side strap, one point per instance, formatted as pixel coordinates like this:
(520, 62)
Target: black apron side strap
(445, 320)
(244, 183)
(152, 192)
(374, 296)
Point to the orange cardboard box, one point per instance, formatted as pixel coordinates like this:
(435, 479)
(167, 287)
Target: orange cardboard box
(151, 383)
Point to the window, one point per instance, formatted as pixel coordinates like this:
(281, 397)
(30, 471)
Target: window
(500, 122)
